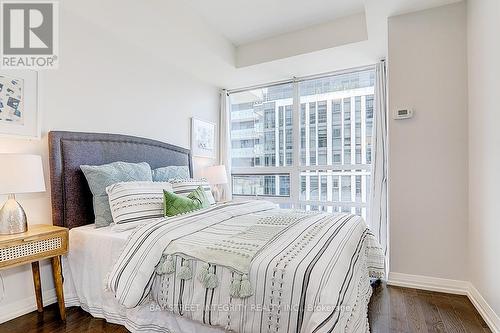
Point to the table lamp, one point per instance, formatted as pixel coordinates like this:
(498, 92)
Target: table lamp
(216, 176)
(19, 173)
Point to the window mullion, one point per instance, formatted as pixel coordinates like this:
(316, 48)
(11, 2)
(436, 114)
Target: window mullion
(295, 174)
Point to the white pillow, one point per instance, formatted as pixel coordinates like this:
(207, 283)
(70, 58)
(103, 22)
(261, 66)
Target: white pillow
(136, 201)
(186, 186)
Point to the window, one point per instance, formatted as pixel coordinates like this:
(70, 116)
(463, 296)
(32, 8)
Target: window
(321, 164)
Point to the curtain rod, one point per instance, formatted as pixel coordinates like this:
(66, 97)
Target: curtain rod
(301, 78)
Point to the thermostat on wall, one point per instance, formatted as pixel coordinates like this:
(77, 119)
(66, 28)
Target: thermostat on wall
(403, 114)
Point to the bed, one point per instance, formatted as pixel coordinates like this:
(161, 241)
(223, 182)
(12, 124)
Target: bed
(310, 273)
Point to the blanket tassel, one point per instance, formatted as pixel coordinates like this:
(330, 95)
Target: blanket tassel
(235, 287)
(185, 272)
(202, 275)
(169, 265)
(211, 280)
(166, 265)
(246, 288)
(160, 269)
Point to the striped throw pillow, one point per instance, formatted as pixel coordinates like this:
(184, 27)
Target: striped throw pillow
(186, 186)
(136, 201)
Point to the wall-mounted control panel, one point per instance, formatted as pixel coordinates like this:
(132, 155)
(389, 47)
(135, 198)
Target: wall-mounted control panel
(403, 114)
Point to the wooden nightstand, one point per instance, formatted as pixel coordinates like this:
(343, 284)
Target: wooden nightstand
(39, 242)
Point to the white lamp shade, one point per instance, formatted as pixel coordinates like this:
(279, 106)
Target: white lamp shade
(216, 174)
(21, 173)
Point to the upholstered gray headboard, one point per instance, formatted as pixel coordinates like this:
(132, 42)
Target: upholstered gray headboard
(71, 196)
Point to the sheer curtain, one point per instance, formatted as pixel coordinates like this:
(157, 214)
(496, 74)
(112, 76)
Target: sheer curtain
(378, 202)
(225, 141)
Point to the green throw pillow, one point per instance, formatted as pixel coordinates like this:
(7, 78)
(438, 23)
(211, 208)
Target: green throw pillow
(176, 204)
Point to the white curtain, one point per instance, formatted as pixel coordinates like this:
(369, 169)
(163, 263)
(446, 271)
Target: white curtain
(378, 201)
(225, 142)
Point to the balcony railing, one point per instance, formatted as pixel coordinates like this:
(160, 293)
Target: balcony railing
(247, 133)
(243, 115)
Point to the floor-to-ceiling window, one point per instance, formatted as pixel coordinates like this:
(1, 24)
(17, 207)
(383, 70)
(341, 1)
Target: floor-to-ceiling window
(305, 143)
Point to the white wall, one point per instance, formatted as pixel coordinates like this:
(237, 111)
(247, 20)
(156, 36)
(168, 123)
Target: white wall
(342, 31)
(428, 154)
(483, 18)
(109, 81)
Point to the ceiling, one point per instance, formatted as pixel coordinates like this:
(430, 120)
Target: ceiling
(214, 31)
(245, 21)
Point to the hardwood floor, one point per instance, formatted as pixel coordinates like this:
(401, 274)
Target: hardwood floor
(394, 309)
(391, 309)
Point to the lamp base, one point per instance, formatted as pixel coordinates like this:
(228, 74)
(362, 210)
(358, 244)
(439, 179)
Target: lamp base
(217, 192)
(12, 217)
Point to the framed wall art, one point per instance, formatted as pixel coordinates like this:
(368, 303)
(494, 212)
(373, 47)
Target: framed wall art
(202, 138)
(19, 115)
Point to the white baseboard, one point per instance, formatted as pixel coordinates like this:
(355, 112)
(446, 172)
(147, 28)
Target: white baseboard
(452, 287)
(26, 305)
(484, 309)
(428, 283)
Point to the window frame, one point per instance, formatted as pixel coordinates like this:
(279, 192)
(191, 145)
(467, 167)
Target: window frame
(296, 169)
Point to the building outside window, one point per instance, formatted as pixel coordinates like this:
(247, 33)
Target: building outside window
(307, 143)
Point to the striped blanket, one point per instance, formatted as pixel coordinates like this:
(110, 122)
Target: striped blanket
(251, 267)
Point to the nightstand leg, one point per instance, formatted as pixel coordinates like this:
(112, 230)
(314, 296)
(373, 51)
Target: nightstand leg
(56, 270)
(35, 269)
